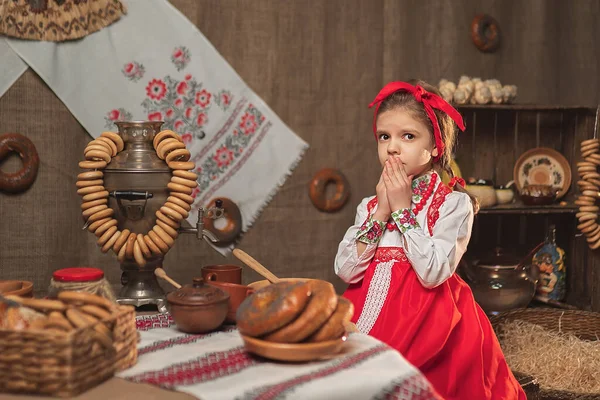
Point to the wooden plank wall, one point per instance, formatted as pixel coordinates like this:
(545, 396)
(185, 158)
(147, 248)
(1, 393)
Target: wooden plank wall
(317, 63)
(489, 148)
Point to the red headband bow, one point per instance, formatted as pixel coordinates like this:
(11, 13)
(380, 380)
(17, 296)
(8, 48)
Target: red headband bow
(429, 100)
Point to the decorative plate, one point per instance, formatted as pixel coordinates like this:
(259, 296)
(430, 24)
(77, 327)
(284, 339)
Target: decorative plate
(543, 166)
(295, 352)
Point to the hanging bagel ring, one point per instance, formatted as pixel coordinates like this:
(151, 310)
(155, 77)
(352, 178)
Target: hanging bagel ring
(233, 222)
(318, 185)
(485, 33)
(22, 179)
(589, 187)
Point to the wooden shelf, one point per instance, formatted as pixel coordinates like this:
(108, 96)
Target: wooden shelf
(521, 107)
(520, 208)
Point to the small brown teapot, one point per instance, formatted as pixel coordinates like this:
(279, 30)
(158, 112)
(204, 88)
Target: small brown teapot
(199, 307)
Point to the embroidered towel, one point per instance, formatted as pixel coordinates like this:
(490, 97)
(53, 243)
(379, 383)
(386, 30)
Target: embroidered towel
(155, 64)
(215, 366)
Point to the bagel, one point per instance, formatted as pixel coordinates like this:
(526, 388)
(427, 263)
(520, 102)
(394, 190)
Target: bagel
(335, 326)
(485, 33)
(272, 307)
(317, 192)
(22, 179)
(323, 302)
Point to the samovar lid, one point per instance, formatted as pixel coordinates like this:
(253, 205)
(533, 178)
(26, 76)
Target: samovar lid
(139, 154)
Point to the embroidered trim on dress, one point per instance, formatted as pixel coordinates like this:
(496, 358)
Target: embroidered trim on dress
(405, 219)
(378, 291)
(433, 213)
(385, 254)
(371, 231)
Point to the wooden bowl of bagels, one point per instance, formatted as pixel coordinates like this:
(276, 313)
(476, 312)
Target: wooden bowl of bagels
(294, 319)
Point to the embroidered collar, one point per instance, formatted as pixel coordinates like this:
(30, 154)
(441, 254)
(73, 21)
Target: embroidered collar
(420, 185)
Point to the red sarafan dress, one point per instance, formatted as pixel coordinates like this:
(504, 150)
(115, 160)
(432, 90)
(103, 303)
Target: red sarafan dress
(406, 293)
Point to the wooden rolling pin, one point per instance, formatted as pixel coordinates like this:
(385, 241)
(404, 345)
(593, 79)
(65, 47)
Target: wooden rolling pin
(255, 265)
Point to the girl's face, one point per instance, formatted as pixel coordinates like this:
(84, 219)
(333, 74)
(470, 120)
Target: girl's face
(400, 135)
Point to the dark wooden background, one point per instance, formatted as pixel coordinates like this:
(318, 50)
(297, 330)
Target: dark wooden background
(317, 63)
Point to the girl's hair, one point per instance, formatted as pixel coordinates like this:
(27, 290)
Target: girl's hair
(405, 100)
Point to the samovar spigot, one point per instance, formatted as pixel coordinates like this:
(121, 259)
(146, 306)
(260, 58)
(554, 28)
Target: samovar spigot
(210, 212)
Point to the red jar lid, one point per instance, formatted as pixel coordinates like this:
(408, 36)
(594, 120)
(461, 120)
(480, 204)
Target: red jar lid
(78, 274)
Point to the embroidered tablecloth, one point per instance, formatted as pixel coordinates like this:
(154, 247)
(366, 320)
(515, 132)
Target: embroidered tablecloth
(154, 64)
(216, 366)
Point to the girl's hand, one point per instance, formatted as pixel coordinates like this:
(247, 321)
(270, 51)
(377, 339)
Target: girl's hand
(398, 184)
(383, 211)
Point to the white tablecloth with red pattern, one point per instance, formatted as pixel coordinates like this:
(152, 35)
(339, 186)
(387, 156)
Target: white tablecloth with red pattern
(216, 366)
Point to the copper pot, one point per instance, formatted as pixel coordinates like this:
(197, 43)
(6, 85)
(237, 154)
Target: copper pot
(199, 307)
(502, 281)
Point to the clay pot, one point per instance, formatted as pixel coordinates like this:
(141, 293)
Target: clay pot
(484, 191)
(199, 307)
(16, 288)
(222, 273)
(538, 195)
(237, 294)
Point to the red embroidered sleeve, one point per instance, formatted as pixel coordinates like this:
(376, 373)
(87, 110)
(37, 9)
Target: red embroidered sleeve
(371, 231)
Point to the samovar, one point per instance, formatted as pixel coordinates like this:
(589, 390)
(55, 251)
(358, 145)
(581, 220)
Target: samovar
(136, 179)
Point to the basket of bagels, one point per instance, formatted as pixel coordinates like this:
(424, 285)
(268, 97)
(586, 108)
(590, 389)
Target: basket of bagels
(63, 346)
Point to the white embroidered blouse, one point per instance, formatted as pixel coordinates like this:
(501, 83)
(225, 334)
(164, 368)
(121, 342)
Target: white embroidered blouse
(434, 258)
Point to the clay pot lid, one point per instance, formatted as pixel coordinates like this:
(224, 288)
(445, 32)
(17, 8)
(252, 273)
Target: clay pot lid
(197, 294)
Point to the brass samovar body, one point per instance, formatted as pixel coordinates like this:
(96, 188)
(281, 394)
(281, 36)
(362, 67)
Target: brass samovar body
(136, 179)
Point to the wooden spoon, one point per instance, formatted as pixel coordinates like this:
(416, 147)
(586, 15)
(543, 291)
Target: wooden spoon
(255, 265)
(163, 275)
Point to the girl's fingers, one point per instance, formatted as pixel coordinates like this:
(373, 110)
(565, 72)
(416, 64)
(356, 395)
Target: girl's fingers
(391, 174)
(386, 180)
(402, 172)
(399, 172)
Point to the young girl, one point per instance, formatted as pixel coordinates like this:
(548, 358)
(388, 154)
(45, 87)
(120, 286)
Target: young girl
(401, 254)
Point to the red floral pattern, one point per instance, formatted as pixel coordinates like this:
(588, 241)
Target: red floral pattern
(370, 231)
(203, 98)
(232, 147)
(155, 116)
(118, 114)
(133, 71)
(156, 89)
(180, 57)
(223, 157)
(183, 105)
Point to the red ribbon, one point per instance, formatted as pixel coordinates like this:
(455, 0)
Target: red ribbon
(429, 100)
(456, 180)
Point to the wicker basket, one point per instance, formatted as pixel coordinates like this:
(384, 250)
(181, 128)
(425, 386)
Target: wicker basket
(583, 324)
(65, 365)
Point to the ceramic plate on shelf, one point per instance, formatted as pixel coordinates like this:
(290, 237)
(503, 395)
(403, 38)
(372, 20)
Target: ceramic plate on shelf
(543, 166)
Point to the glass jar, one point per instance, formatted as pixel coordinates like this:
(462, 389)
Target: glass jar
(80, 279)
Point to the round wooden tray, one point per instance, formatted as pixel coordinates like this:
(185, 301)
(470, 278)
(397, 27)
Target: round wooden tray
(293, 351)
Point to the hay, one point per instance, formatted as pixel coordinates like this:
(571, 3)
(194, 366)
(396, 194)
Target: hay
(558, 360)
